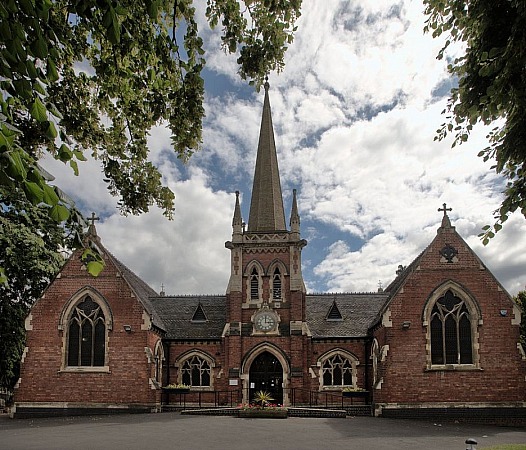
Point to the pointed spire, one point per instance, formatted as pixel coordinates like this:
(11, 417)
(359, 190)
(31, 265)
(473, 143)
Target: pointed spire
(294, 215)
(237, 221)
(266, 206)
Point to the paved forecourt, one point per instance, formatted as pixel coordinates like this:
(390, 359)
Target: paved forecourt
(173, 431)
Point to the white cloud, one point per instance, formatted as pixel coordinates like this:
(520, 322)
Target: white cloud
(182, 254)
(355, 119)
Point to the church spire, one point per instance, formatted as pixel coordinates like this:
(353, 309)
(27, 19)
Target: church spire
(266, 206)
(294, 215)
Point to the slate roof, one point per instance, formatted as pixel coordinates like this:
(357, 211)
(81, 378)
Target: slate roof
(177, 312)
(142, 291)
(358, 313)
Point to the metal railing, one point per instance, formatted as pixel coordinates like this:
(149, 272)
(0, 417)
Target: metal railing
(297, 397)
(202, 399)
(325, 399)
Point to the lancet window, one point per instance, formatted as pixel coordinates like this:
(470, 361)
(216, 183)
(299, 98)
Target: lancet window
(87, 335)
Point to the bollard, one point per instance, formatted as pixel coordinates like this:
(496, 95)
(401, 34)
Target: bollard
(471, 442)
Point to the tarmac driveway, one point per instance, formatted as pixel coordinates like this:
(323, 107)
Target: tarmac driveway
(174, 431)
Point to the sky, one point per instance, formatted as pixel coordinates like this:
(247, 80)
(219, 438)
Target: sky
(355, 113)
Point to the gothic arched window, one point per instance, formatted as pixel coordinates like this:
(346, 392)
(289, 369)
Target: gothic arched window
(86, 335)
(196, 371)
(451, 331)
(337, 371)
(276, 285)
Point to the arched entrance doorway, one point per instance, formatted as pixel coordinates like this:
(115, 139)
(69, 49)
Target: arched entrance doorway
(266, 374)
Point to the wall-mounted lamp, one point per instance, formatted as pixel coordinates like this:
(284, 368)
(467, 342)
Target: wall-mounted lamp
(127, 328)
(406, 324)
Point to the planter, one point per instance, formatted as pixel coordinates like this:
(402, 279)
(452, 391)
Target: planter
(263, 413)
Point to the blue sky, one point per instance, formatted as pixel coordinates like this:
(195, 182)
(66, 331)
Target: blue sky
(355, 112)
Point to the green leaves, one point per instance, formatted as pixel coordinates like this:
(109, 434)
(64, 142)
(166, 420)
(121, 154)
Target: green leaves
(59, 213)
(93, 261)
(30, 256)
(140, 64)
(38, 110)
(262, 42)
(491, 88)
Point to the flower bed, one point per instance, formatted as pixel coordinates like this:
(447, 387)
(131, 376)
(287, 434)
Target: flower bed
(176, 388)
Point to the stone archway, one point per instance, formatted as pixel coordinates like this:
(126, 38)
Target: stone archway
(266, 374)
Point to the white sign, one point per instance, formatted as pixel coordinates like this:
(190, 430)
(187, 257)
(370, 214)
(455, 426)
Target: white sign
(233, 382)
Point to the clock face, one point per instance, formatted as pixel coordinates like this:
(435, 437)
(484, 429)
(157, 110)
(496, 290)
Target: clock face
(265, 321)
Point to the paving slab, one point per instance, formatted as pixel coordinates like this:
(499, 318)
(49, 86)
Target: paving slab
(176, 431)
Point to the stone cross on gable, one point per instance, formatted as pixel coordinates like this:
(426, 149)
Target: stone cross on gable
(445, 209)
(93, 218)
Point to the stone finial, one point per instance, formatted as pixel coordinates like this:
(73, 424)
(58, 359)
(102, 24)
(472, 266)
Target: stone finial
(294, 215)
(92, 231)
(445, 220)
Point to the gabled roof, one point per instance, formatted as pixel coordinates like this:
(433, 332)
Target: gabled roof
(358, 312)
(446, 232)
(177, 313)
(142, 291)
(402, 276)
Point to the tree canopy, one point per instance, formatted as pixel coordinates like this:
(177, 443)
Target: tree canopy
(520, 300)
(96, 75)
(491, 87)
(29, 252)
(85, 78)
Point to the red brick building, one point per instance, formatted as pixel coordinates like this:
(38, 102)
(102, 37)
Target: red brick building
(443, 338)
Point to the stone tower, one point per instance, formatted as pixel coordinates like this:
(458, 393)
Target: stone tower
(266, 331)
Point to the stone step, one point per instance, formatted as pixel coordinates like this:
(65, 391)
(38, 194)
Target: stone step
(364, 410)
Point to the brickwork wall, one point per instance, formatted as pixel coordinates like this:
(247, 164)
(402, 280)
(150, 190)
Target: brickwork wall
(406, 374)
(43, 378)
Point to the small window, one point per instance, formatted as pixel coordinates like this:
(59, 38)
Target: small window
(337, 371)
(254, 285)
(276, 285)
(195, 371)
(87, 335)
(451, 335)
